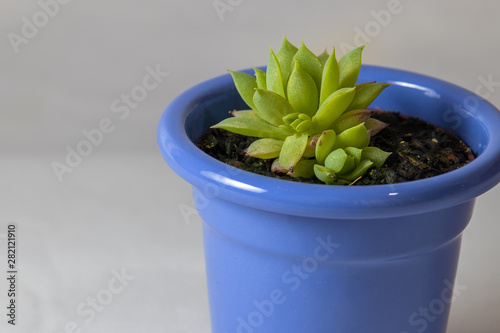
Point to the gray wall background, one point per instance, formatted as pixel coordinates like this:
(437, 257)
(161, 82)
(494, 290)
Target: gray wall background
(66, 77)
(66, 67)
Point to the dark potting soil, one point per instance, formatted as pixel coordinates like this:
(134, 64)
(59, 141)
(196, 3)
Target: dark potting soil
(419, 150)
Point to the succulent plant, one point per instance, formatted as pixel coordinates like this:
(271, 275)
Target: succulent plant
(310, 115)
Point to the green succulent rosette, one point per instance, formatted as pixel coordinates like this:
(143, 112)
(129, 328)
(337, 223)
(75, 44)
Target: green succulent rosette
(310, 115)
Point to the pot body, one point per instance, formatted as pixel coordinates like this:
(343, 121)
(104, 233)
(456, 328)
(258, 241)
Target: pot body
(287, 257)
(270, 272)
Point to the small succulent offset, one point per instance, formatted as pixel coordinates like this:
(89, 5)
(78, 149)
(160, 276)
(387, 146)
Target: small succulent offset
(310, 115)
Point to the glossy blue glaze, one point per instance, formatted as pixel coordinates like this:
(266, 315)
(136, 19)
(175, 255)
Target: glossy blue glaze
(441, 103)
(391, 250)
(272, 273)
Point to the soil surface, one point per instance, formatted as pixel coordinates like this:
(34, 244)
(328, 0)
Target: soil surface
(419, 150)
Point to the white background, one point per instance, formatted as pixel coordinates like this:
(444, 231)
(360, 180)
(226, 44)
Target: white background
(118, 208)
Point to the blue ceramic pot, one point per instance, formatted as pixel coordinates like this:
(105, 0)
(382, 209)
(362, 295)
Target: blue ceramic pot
(289, 257)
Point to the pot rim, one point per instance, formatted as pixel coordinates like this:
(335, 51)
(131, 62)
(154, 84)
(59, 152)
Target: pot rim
(216, 179)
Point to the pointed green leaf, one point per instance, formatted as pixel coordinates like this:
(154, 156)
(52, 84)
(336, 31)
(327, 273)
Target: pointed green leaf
(356, 136)
(302, 92)
(335, 160)
(290, 118)
(285, 56)
(304, 126)
(354, 152)
(271, 107)
(260, 76)
(323, 57)
(311, 147)
(376, 155)
(303, 169)
(299, 122)
(366, 93)
(332, 108)
(265, 148)
(245, 84)
(274, 78)
(251, 127)
(277, 168)
(339, 161)
(292, 150)
(351, 119)
(287, 129)
(324, 145)
(323, 174)
(330, 77)
(374, 126)
(310, 63)
(349, 66)
(359, 171)
(246, 114)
